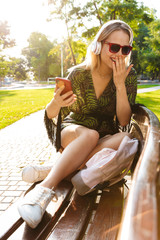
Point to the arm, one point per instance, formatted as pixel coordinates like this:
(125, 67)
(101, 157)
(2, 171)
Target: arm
(120, 73)
(59, 101)
(123, 108)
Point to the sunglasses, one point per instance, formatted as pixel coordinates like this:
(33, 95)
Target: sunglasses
(114, 48)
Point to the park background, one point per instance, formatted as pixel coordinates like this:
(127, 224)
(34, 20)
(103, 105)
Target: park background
(41, 39)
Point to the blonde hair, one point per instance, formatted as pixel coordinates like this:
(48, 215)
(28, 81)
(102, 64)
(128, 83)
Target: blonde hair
(92, 60)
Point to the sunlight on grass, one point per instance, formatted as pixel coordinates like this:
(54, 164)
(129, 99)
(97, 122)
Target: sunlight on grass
(147, 86)
(19, 103)
(151, 100)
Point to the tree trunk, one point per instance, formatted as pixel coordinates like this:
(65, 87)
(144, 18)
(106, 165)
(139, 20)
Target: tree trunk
(70, 46)
(98, 16)
(69, 43)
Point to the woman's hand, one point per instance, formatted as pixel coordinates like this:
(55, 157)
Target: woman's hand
(120, 72)
(64, 100)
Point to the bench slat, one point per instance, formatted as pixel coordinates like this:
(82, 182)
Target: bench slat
(107, 219)
(51, 216)
(76, 217)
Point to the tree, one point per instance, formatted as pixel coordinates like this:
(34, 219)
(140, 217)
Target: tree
(18, 68)
(5, 41)
(4, 68)
(151, 54)
(79, 49)
(84, 19)
(63, 10)
(37, 54)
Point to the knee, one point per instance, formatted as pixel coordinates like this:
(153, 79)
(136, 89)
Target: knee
(123, 134)
(92, 136)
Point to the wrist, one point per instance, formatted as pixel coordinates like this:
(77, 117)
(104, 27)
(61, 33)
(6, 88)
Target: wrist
(120, 87)
(55, 104)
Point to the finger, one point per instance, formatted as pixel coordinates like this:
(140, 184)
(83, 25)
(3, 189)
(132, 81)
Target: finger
(114, 68)
(129, 69)
(67, 94)
(59, 90)
(121, 63)
(117, 63)
(71, 100)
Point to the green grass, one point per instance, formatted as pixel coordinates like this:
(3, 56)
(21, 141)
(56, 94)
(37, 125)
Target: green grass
(16, 104)
(147, 86)
(151, 100)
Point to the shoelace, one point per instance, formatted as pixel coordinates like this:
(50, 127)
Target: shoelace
(41, 196)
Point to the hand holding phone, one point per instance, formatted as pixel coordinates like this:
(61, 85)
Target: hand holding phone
(64, 82)
(64, 101)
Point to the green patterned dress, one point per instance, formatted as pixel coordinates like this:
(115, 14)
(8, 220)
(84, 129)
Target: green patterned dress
(88, 111)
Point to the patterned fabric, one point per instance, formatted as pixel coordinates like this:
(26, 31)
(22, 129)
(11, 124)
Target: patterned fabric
(98, 114)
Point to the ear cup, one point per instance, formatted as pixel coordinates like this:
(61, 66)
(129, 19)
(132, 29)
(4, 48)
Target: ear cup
(96, 47)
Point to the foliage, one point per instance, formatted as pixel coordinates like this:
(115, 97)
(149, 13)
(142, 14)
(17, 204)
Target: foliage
(4, 67)
(5, 40)
(83, 20)
(37, 54)
(151, 56)
(18, 68)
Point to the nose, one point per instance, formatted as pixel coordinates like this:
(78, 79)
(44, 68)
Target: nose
(119, 53)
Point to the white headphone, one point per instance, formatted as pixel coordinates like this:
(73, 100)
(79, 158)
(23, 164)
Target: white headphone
(96, 47)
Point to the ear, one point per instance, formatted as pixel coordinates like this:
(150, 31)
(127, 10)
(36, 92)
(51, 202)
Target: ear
(96, 47)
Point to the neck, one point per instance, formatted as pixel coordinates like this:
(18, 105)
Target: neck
(104, 72)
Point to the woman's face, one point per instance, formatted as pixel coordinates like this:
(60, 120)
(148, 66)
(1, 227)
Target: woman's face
(119, 37)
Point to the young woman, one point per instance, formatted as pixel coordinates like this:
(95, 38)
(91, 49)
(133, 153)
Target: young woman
(104, 88)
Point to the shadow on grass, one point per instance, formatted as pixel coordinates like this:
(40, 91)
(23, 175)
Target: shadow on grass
(5, 93)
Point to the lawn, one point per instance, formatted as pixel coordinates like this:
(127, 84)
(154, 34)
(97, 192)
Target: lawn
(151, 100)
(16, 104)
(147, 86)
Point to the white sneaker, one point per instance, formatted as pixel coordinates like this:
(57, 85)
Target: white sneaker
(34, 204)
(35, 173)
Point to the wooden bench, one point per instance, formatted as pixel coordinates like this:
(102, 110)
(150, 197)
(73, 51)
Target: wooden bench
(105, 214)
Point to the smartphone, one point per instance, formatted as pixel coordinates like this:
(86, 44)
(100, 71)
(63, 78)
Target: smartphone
(64, 82)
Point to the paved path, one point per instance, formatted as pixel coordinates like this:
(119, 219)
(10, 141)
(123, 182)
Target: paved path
(151, 89)
(22, 143)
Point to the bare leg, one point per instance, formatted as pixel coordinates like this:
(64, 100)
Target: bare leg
(109, 141)
(77, 142)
